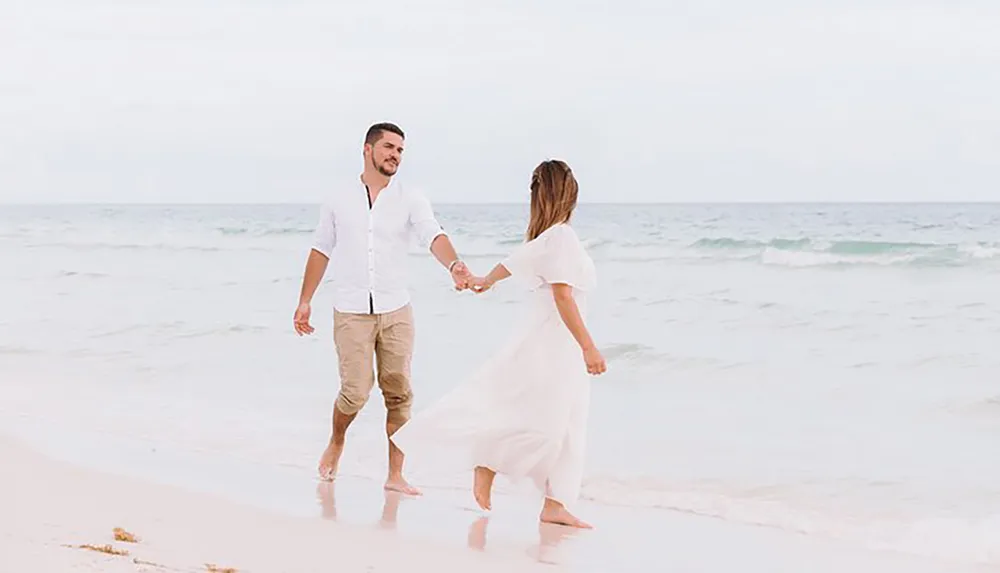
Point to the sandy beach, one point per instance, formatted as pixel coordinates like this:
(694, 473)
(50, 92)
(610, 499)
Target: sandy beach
(51, 508)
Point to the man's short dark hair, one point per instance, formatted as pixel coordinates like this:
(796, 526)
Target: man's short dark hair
(375, 132)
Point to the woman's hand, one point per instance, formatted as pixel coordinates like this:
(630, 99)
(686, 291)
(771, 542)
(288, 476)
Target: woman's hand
(595, 362)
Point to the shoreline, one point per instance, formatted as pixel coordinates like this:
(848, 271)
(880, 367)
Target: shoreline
(52, 508)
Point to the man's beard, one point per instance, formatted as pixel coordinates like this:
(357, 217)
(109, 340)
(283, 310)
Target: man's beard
(382, 170)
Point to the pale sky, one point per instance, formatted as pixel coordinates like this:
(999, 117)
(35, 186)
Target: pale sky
(690, 101)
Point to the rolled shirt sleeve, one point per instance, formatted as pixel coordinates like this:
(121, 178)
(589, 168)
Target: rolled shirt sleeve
(423, 224)
(325, 234)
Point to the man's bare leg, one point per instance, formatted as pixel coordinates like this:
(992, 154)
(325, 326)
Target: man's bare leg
(331, 457)
(395, 481)
(393, 350)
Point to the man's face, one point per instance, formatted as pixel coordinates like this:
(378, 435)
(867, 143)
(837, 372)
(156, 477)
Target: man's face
(386, 153)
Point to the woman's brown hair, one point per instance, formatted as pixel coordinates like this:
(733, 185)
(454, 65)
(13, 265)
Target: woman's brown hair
(553, 196)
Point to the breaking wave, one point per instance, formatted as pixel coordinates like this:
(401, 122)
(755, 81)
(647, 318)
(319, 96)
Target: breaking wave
(806, 252)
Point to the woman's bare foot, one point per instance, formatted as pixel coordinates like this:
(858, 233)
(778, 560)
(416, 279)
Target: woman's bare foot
(555, 513)
(482, 486)
(329, 461)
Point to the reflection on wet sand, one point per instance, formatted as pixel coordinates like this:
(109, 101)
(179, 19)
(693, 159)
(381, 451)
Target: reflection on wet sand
(390, 510)
(327, 502)
(326, 495)
(549, 538)
(477, 534)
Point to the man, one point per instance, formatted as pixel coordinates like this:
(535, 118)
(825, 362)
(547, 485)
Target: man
(365, 230)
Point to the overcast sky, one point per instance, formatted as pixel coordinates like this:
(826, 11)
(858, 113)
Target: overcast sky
(659, 100)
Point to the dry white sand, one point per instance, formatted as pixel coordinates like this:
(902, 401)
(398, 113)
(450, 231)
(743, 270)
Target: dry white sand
(48, 509)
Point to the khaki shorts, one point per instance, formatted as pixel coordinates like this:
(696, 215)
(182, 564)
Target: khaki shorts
(359, 339)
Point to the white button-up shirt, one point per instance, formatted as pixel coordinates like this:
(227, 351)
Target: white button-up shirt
(368, 244)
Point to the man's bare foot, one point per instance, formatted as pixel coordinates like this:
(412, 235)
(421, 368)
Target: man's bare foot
(558, 515)
(482, 486)
(329, 461)
(401, 485)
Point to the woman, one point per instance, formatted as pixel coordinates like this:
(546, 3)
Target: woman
(524, 413)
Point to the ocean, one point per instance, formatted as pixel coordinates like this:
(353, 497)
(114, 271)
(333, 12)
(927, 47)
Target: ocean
(827, 369)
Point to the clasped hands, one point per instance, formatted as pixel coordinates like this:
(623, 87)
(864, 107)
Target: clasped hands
(465, 280)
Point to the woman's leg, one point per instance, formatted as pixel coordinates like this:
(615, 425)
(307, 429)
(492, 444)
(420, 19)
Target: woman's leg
(482, 486)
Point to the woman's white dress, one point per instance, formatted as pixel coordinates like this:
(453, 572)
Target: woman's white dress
(524, 413)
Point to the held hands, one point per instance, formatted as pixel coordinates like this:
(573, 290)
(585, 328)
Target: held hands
(460, 275)
(479, 285)
(476, 284)
(465, 280)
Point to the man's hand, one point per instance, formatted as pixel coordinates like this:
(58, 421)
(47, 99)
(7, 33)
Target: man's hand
(302, 326)
(461, 275)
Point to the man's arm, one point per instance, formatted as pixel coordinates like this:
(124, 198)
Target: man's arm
(315, 269)
(429, 232)
(443, 250)
(324, 241)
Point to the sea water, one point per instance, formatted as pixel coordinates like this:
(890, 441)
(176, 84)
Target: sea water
(829, 369)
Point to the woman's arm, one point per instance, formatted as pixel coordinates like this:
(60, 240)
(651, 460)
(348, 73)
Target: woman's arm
(570, 314)
(483, 284)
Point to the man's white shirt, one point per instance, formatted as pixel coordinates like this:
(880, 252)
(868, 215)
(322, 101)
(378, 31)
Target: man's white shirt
(367, 244)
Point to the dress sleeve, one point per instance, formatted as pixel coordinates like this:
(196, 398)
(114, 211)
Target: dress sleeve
(557, 257)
